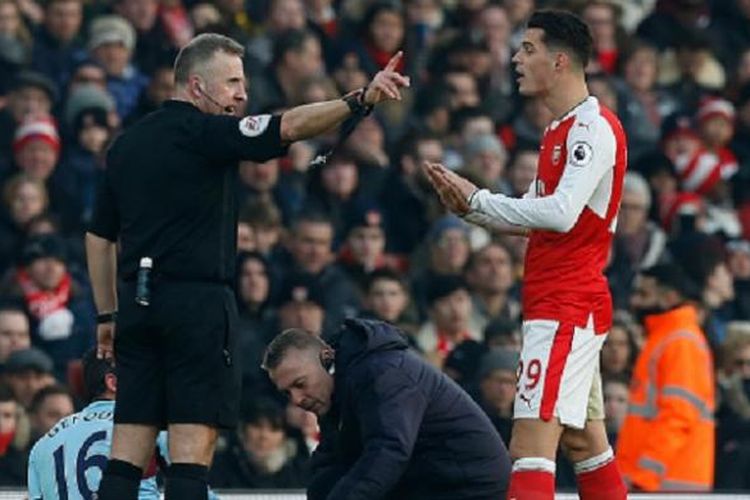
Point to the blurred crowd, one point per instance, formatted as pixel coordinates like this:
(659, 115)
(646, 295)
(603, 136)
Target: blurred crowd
(364, 235)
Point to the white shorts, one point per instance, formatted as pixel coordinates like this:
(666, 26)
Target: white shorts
(558, 374)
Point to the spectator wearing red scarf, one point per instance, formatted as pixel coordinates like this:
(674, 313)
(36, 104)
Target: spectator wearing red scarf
(61, 311)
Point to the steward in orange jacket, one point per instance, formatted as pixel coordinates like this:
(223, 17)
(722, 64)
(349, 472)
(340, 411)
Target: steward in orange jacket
(667, 440)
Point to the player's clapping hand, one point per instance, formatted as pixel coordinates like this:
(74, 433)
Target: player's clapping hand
(387, 83)
(454, 190)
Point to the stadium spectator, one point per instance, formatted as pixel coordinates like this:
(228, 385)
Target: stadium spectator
(262, 455)
(15, 330)
(26, 372)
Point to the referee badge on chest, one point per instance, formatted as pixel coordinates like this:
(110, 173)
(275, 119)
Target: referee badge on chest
(556, 154)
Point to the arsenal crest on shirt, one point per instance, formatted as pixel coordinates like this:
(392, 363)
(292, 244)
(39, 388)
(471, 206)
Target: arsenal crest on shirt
(556, 154)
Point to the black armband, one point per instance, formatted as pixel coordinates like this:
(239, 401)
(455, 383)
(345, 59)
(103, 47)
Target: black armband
(109, 317)
(356, 102)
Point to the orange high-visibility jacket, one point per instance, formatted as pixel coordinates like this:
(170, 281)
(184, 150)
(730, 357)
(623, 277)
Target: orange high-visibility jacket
(667, 440)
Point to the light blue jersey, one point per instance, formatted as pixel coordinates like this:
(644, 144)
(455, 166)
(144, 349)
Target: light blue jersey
(67, 462)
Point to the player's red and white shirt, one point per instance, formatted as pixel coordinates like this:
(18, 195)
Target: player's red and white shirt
(571, 209)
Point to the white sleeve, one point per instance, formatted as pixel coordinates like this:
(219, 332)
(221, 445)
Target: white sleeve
(591, 154)
(494, 224)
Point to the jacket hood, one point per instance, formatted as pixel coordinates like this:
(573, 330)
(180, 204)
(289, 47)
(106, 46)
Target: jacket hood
(359, 337)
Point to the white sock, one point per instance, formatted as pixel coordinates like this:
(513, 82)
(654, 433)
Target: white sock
(594, 462)
(534, 463)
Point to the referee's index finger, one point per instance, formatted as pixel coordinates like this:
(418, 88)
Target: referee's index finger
(394, 61)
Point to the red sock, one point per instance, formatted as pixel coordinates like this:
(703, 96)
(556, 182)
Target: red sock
(531, 485)
(604, 483)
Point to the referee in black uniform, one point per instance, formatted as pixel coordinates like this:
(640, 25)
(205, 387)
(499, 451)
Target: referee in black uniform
(168, 198)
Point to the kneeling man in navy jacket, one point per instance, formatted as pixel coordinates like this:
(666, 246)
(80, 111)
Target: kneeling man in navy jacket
(392, 426)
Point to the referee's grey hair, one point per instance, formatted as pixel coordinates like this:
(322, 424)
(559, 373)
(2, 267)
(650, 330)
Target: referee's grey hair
(635, 183)
(199, 50)
(293, 338)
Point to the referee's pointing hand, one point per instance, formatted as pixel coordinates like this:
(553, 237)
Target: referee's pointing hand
(387, 83)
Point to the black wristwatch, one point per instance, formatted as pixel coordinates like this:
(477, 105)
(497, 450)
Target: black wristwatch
(109, 317)
(356, 102)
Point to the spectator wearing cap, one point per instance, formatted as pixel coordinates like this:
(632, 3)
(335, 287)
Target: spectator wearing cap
(301, 304)
(111, 44)
(61, 311)
(14, 438)
(91, 121)
(31, 96)
(486, 159)
(497, 388)
(262, 455)
(738, 263)
(702, 171)
(27, 372)
(36, 151)
(57, 43)
(448, 252)
(311, 252)
(490, 276)
(363, 251)
(15, 330)
(449, 323)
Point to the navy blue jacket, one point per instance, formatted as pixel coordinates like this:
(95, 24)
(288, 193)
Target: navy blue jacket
(400, 429)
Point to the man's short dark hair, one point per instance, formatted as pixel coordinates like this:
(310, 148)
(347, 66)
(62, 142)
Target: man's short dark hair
(566, 31)
(387, 275)
(293, 338)
(200, 49)
(95, 371)
(48, 392)
(310, 218)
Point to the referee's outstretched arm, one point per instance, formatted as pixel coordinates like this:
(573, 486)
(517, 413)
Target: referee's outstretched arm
(314, 119)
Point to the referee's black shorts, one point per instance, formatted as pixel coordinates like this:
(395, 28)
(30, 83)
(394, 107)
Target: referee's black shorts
(175, 359)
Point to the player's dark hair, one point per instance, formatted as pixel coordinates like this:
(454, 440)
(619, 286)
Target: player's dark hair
(293, 338)
(565, 31)
(95, 371)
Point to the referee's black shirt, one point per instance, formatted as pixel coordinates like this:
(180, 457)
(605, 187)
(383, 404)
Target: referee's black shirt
(169, 190)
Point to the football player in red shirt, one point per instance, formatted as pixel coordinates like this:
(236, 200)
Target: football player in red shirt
(569, 214)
